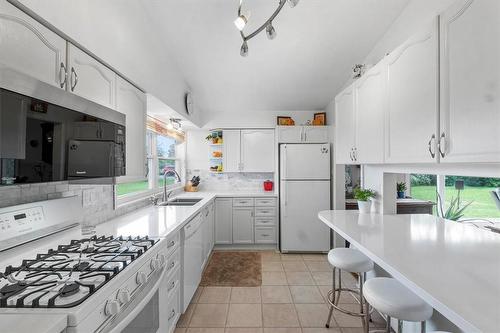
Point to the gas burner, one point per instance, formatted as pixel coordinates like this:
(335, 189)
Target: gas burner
(67, 276)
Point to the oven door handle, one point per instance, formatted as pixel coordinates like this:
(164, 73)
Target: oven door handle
(120, 326)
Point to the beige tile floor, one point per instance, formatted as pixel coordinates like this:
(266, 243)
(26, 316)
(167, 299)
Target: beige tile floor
(292, 299)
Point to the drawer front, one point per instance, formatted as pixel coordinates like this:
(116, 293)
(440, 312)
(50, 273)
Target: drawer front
(173, 282)
(265, 235)
(173, 309)
(173, 242)
(265, 211)
(265, 202)
(243, 202)
(265, 221)
(173, 263)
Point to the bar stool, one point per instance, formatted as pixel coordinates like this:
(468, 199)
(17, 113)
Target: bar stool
(352, 261)
(390, 297)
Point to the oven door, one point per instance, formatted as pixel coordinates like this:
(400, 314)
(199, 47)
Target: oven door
(142, 314)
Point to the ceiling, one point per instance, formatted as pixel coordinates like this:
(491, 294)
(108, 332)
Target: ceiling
(303, 68)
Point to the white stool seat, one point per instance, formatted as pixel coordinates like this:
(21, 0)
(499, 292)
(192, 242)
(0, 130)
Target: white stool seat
(395, 300)
(350, 260)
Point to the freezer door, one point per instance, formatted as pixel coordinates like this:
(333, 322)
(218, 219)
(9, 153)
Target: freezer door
(305, 161)
(300, 228)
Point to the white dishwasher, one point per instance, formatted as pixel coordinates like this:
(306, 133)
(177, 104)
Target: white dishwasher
(192, 258)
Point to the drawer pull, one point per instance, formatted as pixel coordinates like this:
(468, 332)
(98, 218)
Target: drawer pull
(172, 285)
(265, 235)
(171, 265)
(172, 314)
(171, 244)
(264, 211)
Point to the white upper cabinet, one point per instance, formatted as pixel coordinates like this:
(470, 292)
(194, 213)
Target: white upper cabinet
(370, 102)
(132, 102)
(412, 93)
(303, 134)
(345, 129)
(30, 48)
(257, 150)
(90, 79)
(289, 134)
(470, 82)
(316, 134)
(231, 151)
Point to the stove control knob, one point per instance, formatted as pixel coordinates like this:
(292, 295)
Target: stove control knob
(162, 259)
(141, 278)
(112, 307)
(155, 263)
(123, 296)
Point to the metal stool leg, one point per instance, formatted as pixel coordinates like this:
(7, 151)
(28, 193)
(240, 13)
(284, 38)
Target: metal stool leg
(423, 327)
(330, 313)
(367, 318)
(400, 326)
(388, 326)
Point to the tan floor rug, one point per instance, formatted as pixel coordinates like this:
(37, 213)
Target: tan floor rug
(233, 269)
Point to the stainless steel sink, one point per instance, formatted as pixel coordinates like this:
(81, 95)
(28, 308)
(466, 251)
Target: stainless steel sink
(181, 202)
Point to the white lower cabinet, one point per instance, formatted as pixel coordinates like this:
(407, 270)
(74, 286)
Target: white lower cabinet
(243, 224)
(223, 221)
(245, 220)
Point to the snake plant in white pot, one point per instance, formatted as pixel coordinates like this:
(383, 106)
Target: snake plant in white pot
(364, 199)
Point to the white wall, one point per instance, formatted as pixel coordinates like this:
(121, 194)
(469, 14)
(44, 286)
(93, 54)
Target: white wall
(253, 119)
(120, 33)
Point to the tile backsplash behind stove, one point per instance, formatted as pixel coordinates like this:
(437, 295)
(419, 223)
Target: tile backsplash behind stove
(230, 182)
(97, 200)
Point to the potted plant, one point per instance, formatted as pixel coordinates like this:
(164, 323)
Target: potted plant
(401, 189)
(455, 210)
(363, 196)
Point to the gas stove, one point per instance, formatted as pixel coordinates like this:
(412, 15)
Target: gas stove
(65, 277)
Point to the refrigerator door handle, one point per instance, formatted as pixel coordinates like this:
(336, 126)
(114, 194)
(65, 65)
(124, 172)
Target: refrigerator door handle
(284, 162)
(285, 199)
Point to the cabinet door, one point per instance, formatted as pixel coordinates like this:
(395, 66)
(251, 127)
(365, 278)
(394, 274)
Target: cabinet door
(470, 82)
(132, 102)
(370, 100)
(224, 221)
(90, 79)
(30, 48)
(257, 150)
(231, 151)
(345, 128)
(412, 108)
(243, 221)
(13, 111)
(316, 134)
(290, 134)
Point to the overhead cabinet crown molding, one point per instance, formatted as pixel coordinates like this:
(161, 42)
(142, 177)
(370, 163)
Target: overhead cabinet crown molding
(434, 84)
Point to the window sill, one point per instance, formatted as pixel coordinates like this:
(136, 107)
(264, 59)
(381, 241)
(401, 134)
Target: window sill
(133, 198)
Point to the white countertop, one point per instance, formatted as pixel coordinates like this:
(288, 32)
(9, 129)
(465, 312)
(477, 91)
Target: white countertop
(452, 266)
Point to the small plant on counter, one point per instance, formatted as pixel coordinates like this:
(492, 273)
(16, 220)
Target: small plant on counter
(454, 211)
(362, 194)
(401, 189)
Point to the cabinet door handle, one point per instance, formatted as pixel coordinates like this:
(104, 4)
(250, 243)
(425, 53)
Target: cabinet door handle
(172, 243)
(75, 81)
(172, 315)
(63, 72)
(351, 155)
(355, 154)
(442, 144)
(433, 154)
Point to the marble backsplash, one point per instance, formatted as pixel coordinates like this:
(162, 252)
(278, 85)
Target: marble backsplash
(97, 200)
(230, 182)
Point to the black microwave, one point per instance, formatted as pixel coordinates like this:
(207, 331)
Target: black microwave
(44, 142)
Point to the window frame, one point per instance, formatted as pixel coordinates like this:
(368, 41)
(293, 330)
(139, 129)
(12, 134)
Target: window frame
(152, 162)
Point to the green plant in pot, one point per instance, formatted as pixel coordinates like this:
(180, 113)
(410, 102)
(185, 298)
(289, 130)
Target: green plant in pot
(401, 189)
(364, 199)
(455, 210)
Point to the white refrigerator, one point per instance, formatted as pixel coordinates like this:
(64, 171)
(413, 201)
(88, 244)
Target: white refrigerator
(304, 191)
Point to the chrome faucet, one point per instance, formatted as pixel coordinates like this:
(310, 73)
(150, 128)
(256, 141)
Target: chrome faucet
(167, 172)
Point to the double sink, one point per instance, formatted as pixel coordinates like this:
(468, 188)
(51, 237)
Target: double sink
(181, 202)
